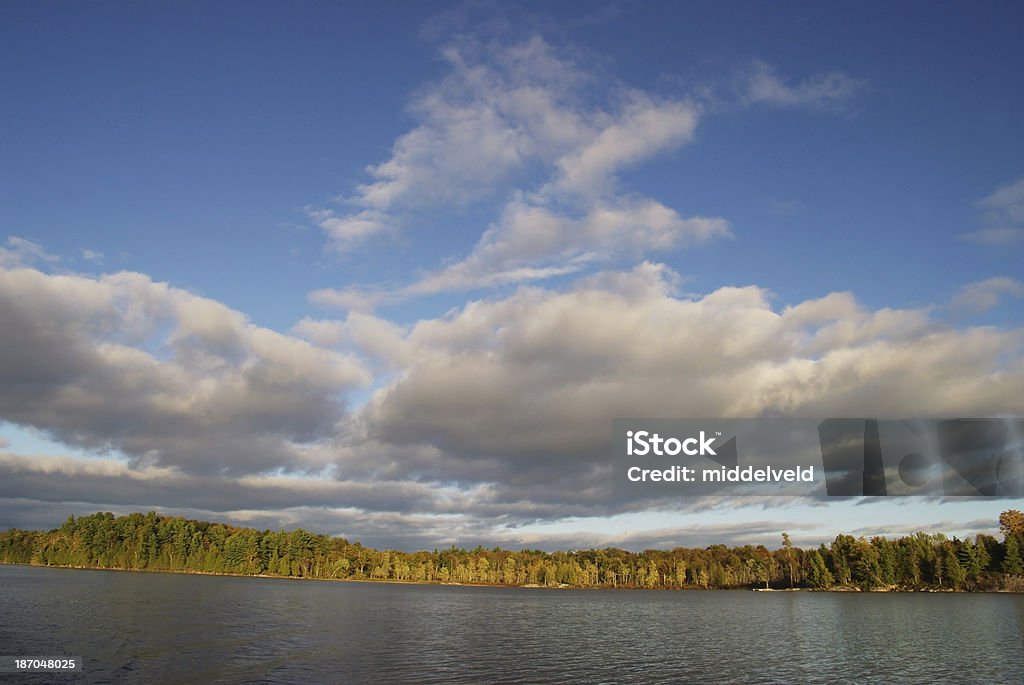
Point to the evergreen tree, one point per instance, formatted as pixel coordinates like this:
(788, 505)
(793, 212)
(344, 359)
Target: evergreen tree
(819, 576)
(954, 571)
(1012, 563)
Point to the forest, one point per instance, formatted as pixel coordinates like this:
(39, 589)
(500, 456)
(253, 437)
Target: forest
(153, 542)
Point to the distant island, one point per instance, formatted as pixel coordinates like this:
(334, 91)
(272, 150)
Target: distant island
(150, 542)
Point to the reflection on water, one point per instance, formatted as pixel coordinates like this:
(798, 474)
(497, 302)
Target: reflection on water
(162, 628)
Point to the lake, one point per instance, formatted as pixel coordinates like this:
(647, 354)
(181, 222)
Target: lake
(165, 628)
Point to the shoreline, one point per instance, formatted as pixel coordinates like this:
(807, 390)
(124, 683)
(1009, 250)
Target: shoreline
(527, 586)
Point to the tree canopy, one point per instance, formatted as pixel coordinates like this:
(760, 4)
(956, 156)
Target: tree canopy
(162, 543)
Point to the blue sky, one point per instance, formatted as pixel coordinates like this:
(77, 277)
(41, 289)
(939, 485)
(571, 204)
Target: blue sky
(802, 209)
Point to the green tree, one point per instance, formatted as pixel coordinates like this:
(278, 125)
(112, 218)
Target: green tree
(820, 576)
(888, 559)
(954, 571)
(842, 552)
(971, 558)
(865, 571)
(759, 570)
(1012, 563)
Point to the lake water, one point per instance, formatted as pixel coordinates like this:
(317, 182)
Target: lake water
(163, 628)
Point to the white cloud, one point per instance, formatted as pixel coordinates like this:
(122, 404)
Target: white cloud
(349, 230)
(520, 391)
(377, 338)
(1002, 214)
(834, 89)
(354, 298)
(499, 109)
(643, 128)
(984, 295)
(20, 251)
(531, 242)
(1006, 202)
(524, 120)
(995, 237)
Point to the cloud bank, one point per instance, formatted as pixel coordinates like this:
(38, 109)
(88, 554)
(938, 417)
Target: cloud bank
(492, 417)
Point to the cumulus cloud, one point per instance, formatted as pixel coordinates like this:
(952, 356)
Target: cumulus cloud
(375, 337)
(161, 375)
(484, 422)
(519, 392)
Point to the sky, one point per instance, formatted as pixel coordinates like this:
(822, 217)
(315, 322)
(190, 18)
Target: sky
(390, 271)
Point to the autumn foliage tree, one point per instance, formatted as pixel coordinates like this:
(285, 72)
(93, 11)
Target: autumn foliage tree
(1011, 523)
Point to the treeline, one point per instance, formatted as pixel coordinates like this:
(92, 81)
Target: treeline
(161, 543)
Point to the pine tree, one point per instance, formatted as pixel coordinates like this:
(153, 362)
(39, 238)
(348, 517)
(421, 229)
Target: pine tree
(1012, 562)
(820, 576)
(955, 572)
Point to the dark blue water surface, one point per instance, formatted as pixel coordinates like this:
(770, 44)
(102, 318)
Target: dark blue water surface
(163, 628)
